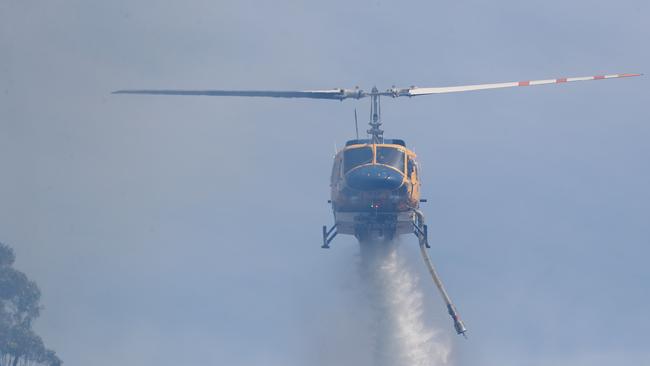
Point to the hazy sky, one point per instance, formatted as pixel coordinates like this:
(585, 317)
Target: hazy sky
(186, 231)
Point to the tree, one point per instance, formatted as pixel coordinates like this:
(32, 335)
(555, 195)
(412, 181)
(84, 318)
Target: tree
(19, 306)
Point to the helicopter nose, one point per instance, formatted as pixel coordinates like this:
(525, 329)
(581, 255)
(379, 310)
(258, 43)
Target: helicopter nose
(374, 178)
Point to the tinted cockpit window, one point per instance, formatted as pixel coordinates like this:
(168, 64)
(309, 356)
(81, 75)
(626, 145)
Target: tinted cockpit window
(355, 157)
(391, 156)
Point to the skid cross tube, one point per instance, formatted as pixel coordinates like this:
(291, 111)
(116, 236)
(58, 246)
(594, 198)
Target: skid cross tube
(420, 229)
(422, 234)
(328, 236)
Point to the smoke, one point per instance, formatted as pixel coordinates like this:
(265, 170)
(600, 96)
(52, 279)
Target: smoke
(400, 337)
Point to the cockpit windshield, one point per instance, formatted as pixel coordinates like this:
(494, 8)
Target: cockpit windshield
(354, 157)
(391, 156)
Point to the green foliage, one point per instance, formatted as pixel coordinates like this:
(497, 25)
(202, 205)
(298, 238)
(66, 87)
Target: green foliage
(19, 306)
(7, 256)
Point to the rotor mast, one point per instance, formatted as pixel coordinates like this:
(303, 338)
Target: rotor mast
(375, 117)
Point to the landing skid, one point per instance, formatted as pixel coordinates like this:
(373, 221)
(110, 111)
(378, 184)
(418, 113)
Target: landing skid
(421, 230)
(384, 227)
(328, 236)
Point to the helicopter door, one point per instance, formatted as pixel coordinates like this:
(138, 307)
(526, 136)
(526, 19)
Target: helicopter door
(410, 169)
(412, 173)
(336, 172)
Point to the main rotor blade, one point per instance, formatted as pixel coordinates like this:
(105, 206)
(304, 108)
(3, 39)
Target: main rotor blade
(337, 94)
(462, 88)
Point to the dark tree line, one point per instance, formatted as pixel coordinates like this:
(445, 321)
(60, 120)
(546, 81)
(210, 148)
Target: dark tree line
(19, 306)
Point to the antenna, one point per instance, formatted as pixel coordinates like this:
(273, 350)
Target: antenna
(356, 124)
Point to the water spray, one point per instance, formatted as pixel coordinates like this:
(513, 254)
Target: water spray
(401, 337)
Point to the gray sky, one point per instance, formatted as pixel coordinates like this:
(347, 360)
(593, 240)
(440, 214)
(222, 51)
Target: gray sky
(167, 231)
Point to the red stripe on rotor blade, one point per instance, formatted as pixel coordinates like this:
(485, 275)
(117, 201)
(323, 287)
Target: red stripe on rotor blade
(628, 75)
(560, 80)
(524, 83)
(599, 77)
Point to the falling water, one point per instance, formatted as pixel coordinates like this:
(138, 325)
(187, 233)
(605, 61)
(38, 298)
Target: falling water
(400, 336)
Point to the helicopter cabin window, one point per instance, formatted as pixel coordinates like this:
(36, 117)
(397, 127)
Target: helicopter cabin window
(336, 169)
(355, 157)
(391, 156)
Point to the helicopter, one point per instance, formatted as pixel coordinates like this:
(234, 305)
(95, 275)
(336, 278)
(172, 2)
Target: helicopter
(375, 182)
